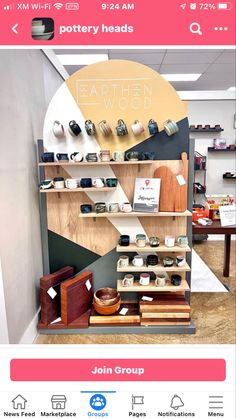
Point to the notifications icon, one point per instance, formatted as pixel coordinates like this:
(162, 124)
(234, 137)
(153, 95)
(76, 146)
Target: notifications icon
(195, 28)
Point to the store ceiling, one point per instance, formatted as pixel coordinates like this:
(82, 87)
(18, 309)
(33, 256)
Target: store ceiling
(217, 66)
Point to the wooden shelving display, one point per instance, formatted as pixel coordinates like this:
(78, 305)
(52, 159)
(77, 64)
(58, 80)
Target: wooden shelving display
(135, 214)
(98, 163)
(64, 190)
(161, 248)
(157, 268)
(206, 130)
(222, 150)
(152, 287)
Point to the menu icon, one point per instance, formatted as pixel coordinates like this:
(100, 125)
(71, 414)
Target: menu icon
(216, 402)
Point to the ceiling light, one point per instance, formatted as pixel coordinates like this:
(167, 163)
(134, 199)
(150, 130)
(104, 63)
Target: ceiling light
(232, 89)
(182, 77)
(81, 59)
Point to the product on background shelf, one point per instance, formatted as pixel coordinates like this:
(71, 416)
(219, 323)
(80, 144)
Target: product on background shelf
(199, 161)
(105, 155)
(59, 182)
(113, 207)
(124, 240)
(105, 128)
(106, 296)
(72, 183)
(62, 157)
(107, 310)
(153, 127)
(47, 157)
(154, 241)
(86, 182)
(169, 241)
(111, 182)
(137, 127)
(77, 156)
(147, 155)
(86, 208)
(170, 127)
(182, 241)
(90, 127)
(144, 279)
(128, 280)
(123, 261)
(98, 183)
(160, 280)
(138, 261)
(214, 202)
(46, 184)
(176, 280)
(219, 144)
(121, 128)
(168, 261)
(132, 156)
(118, 156)
(100, 207)
(58, 129)
(141, 240)
(199, 188)
(180, 261)
(152, 260)
(91, 157)
(74, 129)
(126, 207)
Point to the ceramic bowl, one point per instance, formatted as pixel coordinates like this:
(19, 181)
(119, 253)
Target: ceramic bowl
(37, 23)
(38, 30)
(106, 297)
(106, 310)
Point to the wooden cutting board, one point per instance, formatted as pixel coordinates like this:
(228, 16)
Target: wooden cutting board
(165, 315)
(76, 298)
(132, 316)
(166, 202)
(165, 304)
(181, 191)
(165, 322)
(81, 322)
(51, 308)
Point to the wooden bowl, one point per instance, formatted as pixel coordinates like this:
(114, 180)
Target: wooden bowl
(106, 310)
(106, 296)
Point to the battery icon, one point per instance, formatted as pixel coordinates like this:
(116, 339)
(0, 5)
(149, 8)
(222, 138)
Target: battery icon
(72, 6)
(224, 6)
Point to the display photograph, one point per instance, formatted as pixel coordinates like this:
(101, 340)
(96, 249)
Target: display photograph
(117, 212)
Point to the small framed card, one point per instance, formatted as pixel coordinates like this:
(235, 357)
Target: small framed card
(227, 215)
(146, 195)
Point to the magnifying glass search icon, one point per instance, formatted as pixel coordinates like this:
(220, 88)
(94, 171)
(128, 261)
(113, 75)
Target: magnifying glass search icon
(195, 28)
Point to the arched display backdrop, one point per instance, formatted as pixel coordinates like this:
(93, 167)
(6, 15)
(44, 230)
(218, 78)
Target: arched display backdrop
(110, 90)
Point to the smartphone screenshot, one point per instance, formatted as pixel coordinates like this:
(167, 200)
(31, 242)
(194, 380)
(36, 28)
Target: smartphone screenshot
(117, 209)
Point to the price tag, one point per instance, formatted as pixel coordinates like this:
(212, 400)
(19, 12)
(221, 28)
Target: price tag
(56, 321)
(52, 293)
(147, 298)
(88, 285)
(181, 180)
(123, 311)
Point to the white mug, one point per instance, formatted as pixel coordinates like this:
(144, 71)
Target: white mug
(98, 183)
(144, 279)
(137, 261)
(137, 128)
(128, 280)
(58, 129)
(77, 157)
(169, 241)
(118, 156)
(71, 183)
(126, 207)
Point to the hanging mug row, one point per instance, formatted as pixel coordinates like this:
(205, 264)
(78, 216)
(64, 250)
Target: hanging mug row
(145, 279)
(61, 183)
(103, 156)
(151, 261)
(137, 128)
(142, 240)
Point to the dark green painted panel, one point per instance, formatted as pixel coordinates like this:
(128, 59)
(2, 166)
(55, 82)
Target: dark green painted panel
(63, 252)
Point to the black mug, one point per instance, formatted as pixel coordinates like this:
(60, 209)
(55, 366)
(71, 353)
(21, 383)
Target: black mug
(47, 157)
(124, 240)
(74, 128)
(147, 155)
(111, 182)
(152, 260)
(62, 156)
(100, 207)
(86, 208)
(86, 182)
(176, 280)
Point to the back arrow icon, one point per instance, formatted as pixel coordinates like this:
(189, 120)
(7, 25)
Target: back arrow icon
(14, 28)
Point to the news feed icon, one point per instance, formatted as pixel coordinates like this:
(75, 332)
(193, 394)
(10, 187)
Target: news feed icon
(42, 29)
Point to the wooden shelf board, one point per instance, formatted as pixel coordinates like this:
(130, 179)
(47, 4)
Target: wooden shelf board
(158, 268)
(152, 287)
(105, 189)
(162, 248)
(221, 150)
(229, 177)
(136, 214)
(206, 130)
(99, 163)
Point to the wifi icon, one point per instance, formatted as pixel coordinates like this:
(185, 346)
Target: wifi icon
(58, 6)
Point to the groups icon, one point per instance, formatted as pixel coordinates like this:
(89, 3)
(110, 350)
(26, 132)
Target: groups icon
(98, 402)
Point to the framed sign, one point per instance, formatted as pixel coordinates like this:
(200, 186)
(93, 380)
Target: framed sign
(146, 195)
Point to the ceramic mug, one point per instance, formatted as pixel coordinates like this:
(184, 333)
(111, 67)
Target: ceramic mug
(76, 157)
(59, 182)
(74, 128)
(105, 128)
(170, 127)
(113, 207)
(132, 156)
(154, 241)
(105, 155)
(168, 261)
(58, 129)
(86, 182)
(176, 280)
(124, 240)
(128, 280)
(160, 280)
(118, 156)
(180, 261)
(153, 127)
(169, 241)
(111, 182)
(141, 240)
(62, 156)
(147, 155)
(71, 183)
(126, 207)
(121, 128)
(182, 241)
(123, 262)
(137, 261)
(90, 127)
(91, 157)
(144, 279)
(98, 183)
(86, 208)
(100, 207)
(46, 184)
(137, 127)
(152, 260)
(47, 157)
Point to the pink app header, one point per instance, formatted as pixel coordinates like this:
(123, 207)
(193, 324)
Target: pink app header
(98, 22)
